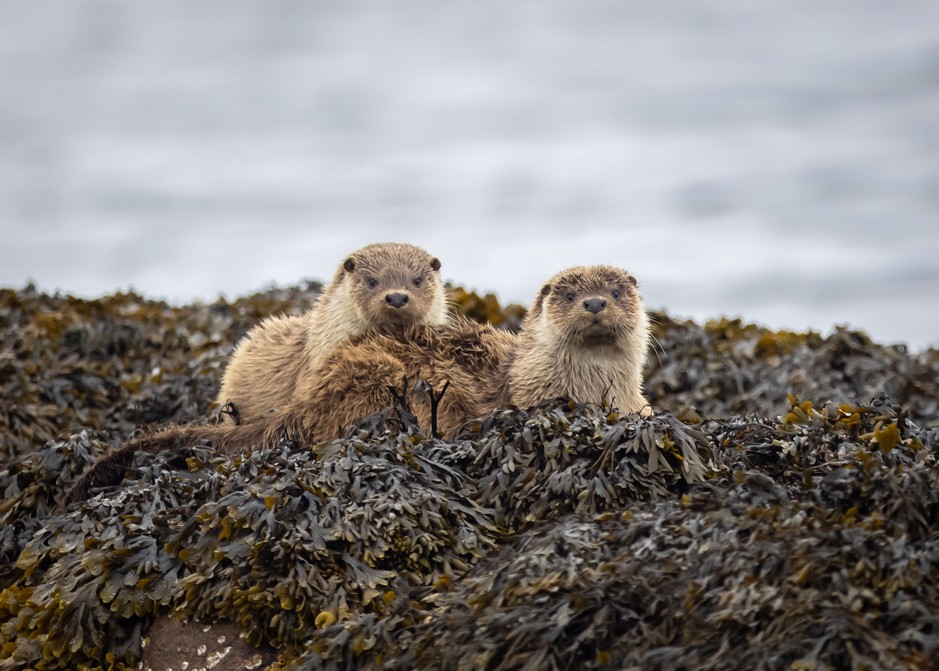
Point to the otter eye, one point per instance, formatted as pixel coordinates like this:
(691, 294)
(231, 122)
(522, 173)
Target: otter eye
(615, 293)
(417, 281)
(571, 296)
(372, 282)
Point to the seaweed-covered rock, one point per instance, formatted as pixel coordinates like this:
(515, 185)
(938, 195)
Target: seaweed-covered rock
(556, 459)
(785, 516)
(32, 487)
(116, 363)
(88, 580)
(284, 540)
(298, 535)
(727, 367)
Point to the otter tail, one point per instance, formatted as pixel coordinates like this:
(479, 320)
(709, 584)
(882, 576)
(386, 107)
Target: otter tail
(109, 470)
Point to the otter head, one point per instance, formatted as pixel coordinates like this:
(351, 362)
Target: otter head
(590, 306)
(394, 285)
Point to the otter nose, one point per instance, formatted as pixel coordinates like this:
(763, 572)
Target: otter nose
(594, 305)
(396, 299)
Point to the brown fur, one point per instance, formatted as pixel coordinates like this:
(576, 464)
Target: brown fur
(565, 350)
(467, 355)
(278, 359)
(356, 380)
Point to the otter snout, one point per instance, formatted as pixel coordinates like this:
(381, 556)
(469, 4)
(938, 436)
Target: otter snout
(396, 299)
(594, 305)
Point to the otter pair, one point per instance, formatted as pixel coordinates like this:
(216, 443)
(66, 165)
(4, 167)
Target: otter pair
(383, 318)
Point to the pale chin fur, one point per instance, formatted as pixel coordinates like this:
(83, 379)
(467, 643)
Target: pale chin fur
(438, 311)
(335, 320)
(593, 374)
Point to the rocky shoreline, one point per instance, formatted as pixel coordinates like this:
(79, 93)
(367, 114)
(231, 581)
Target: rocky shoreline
(778, 511)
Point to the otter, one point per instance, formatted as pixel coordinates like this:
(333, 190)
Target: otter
(585, 337)
(461, 363)
(382, 287)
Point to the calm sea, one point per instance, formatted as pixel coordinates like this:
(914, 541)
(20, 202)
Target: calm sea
(775, 160)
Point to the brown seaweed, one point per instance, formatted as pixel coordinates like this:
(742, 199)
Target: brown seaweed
(778, 511)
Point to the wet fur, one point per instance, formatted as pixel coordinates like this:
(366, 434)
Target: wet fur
(561, 353)
(278, 360)
(356, 380)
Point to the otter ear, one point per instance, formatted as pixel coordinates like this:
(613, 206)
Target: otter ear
(545, 290)
(349, 264)
(435, 263)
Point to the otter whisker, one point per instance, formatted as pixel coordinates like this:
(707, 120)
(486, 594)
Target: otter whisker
(656, 347)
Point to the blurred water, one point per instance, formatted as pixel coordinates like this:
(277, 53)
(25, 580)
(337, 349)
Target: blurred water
(775, 160)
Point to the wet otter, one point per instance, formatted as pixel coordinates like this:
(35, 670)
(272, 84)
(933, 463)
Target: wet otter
(585, 337)
(355, 380)
(382, 287)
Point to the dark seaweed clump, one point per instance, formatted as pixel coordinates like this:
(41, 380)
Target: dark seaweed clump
(727, 367)
(783, 517)
(116, 363)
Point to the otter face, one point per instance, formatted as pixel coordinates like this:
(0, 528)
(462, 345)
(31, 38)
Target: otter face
(395, 285)
(591, 306)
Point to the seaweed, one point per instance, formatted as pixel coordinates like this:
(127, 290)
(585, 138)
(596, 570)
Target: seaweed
(114, 364)
(729, 368)
(779, 510)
